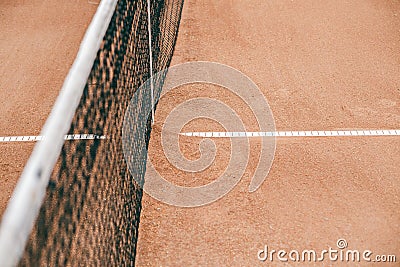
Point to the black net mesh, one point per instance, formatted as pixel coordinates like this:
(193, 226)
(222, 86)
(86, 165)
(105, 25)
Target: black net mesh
(90, 216)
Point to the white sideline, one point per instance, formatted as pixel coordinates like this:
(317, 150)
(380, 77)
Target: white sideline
(23, 208)
(295, 133)
(34, 138)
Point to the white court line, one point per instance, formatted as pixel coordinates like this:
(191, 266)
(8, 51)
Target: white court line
(295, 133)
(32, 138)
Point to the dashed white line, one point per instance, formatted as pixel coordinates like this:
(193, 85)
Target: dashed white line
(31, 138)
(295, 133)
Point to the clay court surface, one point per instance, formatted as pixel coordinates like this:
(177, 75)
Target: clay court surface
(39, 43)
(322, 65)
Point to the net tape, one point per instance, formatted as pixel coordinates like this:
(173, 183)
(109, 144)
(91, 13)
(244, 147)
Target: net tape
(90, 215)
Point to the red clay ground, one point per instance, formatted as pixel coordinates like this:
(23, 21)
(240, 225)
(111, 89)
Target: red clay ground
(322, 66)
(39, 42)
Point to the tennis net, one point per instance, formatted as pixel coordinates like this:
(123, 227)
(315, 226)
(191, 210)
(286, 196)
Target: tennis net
(90, 214)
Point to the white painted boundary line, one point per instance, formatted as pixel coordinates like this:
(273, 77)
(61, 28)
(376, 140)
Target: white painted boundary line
(295, 133)
(34, 138)
(23, 208)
